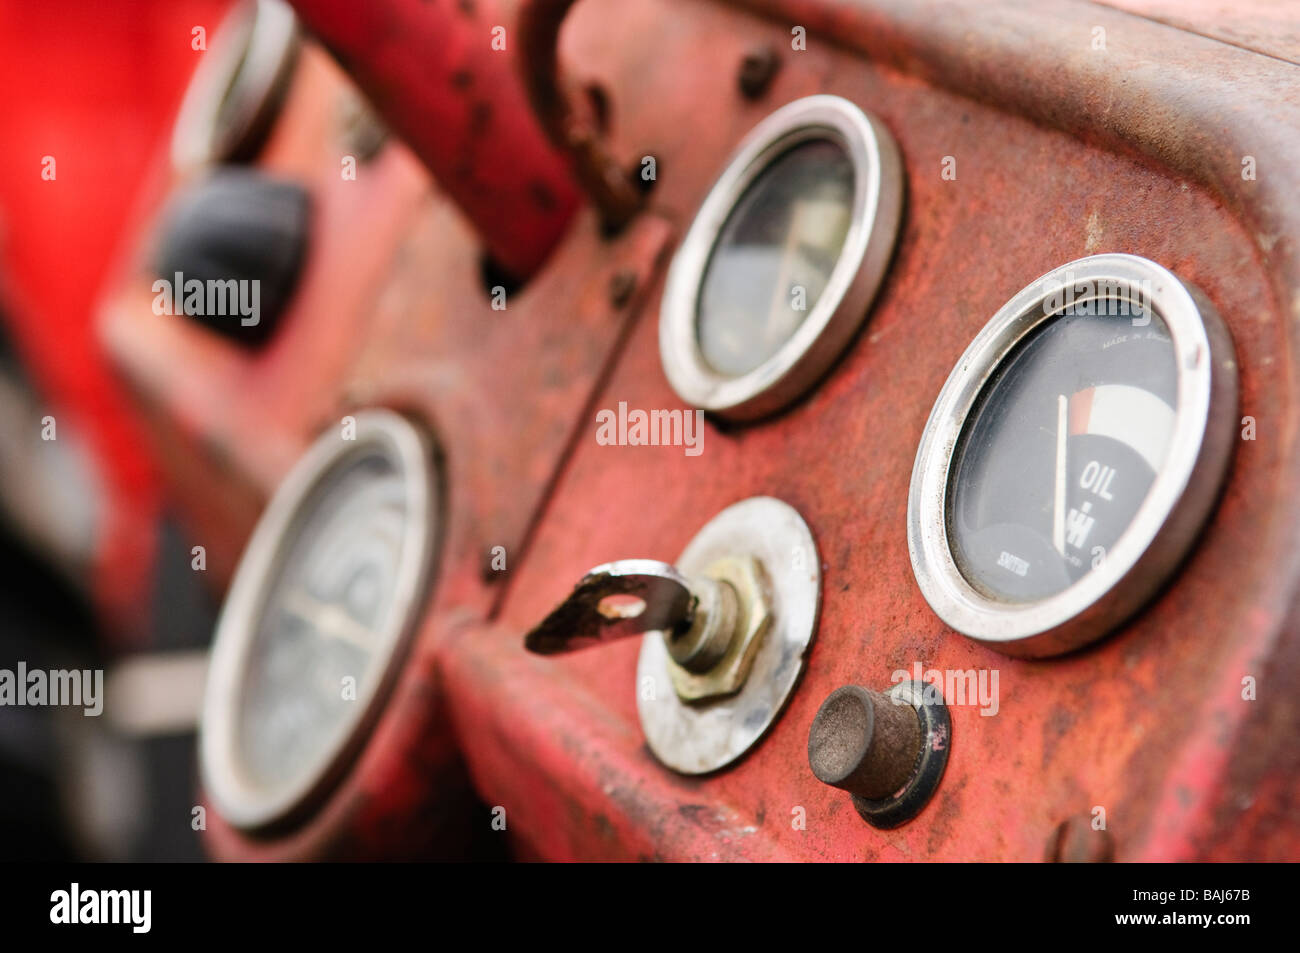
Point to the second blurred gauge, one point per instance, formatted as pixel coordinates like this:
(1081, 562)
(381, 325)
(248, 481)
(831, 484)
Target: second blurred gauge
(783, 259)
(318, 620)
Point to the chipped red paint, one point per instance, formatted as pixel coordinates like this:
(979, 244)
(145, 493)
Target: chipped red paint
(1060, 153)
(433, 71)
(602, 177)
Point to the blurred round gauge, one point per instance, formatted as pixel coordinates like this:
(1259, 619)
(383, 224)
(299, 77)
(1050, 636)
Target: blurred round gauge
(1073, 455)
(780, 266)
(318, 620)
(236, 93)
(780, 244)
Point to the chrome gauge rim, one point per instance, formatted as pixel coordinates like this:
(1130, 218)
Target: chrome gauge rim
(854, 280)
(242, 801)
(238, 85)
(1172, 513)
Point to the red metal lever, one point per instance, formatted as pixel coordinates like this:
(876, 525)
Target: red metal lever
(432, 72)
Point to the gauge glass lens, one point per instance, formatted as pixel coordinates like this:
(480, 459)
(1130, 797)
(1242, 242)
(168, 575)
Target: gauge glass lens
(774, 256)
(1060, 450)
(318, 649)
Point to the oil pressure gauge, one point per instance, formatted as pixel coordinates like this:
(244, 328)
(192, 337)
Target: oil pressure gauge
(1073, 455)
(782, 261)
(318, 620)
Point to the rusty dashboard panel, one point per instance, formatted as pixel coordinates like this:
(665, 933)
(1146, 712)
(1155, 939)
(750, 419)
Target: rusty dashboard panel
(1059, 154)
(919, 378)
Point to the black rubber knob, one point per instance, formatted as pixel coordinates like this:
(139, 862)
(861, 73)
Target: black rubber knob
(230, 252)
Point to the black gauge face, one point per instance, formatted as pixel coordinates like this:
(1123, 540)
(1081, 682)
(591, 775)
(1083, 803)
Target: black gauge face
(1060, 451)
(774, 256)
(318, 645)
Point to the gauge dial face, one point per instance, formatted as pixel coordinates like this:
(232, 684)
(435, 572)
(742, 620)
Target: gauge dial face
(318, 620)
(319, 642)
(1060, 451)
(779, 268)
(774, 256)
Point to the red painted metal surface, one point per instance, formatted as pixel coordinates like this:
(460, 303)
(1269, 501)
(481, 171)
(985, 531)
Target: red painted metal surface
(391, 310)
(609, 185)
(74, 91)
(225, 422)
(446, 81)
(1151, 724)
(1259, 25)
(501, 392)
(1060, 152)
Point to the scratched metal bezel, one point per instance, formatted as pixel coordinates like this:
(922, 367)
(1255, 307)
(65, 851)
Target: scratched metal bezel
(238, 799)
(700, 737)
(1167, 523)
(844, 304)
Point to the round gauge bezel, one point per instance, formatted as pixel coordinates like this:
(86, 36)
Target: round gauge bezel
(1169, 519)
(233, 96)
(243, 803)
(842, 308)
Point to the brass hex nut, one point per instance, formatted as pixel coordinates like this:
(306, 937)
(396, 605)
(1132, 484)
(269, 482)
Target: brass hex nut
(753, 618)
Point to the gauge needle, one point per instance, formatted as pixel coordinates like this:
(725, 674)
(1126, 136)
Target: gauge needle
(1058, 508)
(328, 619)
